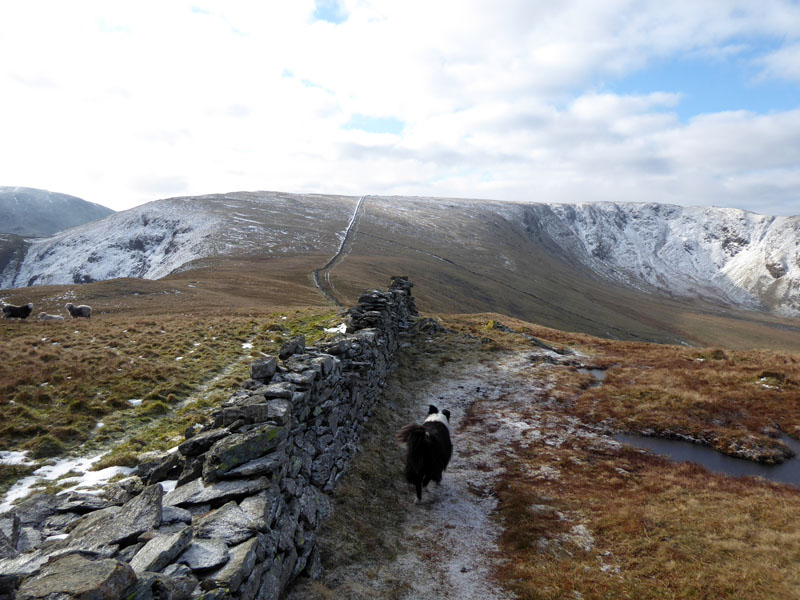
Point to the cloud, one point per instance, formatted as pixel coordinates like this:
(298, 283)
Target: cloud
(122, 103)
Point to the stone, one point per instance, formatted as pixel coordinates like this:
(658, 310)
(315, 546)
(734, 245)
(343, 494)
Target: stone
(76, 577)
(168, 466)
(35, 509)
(202, 441)
(263, 507)
(266, 465)
(161, 550)
(196, 492)
(277, 411)
(202, 555)
(237, 449)
(99, 531)
(175, 514)
(76, 502)
(264, 369)
(283, 389)
(124, 490)
(24, 564)
(7, 550)
(296, 345)
(9, 527)
(229, 523)
(240, 565)
(159, 586)
(193, 469)
(29, 538)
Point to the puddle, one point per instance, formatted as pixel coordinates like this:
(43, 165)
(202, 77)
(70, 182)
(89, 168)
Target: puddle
(681, 451)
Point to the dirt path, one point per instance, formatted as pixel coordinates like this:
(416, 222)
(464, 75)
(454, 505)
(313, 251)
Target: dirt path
(322, 276)
(447, 544)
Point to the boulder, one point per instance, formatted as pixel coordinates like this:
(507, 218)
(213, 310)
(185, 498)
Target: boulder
(74, 576)
(202, 555)
(229, 523)
(296, 345)
(266, 465)
(161, 550)
(238, 449)
(241, 563)
(196, 492)
(160, 586)
(202, 441)
(263, 370)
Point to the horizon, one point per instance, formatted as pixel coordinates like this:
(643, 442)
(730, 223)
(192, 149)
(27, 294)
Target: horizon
(691, 105)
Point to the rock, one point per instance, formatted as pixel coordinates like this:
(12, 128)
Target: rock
(263, 507)
(76, 577)
(101, 530)
(24, 564)
(240, 565)
(159, 586)
(263, 370)
(202, 555)
(266, 465)
(35, 509)
(9, 528)
(124, 490)
(278, 390)
(296, 345)
(29, 538)
(168, 466)
(202, 441)
(229, 523)
(196, 492)
(255, 410)
(237, 449)
(161, 550)
(174, 514)
(7, 550)
(76, 502)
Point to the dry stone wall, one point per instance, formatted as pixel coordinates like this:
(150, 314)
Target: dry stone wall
(247, 492)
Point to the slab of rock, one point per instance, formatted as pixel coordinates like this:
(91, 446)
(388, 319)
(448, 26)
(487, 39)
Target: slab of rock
(7, 550)
(161, 550)
(263, 370)
(229, 523)
(266, 465)
(76, 577)
(296, 345)
(24, 564)
(202, 441)
(160, 586)
(263, 507)
(175, 514)
(124, 490)
(9, 527)
(196, 492)
(237, 449)
(99, 531)
(80, 503)
(35, 509)
(240, 565)
(202, 555)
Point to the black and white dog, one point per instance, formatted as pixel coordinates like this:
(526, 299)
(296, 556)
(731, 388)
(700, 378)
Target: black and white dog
(429, 449)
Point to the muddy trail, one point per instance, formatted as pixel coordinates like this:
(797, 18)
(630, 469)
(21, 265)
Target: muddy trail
(447, 545)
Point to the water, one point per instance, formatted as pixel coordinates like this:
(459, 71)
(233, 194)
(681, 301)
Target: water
(681, 451)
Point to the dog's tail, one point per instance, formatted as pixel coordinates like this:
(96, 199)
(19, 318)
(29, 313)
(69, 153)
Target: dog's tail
(413, 435)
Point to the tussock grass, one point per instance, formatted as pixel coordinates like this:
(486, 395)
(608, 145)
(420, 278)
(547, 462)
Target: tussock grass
(61, 379)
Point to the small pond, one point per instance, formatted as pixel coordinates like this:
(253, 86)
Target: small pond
(681, 451)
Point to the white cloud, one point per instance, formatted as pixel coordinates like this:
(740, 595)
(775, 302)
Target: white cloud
(121, 103)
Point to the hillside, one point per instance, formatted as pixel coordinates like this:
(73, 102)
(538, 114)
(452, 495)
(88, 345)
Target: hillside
(36, 213)
(625, 271)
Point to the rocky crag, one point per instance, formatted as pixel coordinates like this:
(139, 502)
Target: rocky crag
(247, 492)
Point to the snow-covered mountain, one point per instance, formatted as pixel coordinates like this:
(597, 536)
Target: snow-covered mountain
(31, 212)
(735, 256)
(720, 255)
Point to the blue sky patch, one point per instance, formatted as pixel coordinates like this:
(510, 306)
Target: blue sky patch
(375, 124)
(331, 11)
(709, 85)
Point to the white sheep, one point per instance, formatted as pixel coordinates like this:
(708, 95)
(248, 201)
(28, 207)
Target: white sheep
(45, 317)
(78, 311)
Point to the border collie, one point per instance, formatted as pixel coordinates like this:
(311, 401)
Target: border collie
(429, 449)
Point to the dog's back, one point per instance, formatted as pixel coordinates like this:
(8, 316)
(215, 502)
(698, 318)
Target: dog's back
(429, 449)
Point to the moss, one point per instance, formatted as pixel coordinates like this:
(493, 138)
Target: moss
(45, 446)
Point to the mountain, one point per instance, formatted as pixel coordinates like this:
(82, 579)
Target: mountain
(35, 213)
(628, 271)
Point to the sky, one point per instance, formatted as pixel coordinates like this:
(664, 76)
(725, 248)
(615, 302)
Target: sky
(694, 102)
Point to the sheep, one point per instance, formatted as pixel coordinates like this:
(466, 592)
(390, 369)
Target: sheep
(78, 311)
(45, 317)
(17, 312)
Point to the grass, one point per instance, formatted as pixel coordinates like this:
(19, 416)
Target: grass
(61, 379)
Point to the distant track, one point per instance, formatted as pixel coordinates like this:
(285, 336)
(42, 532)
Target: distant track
(322, 276)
